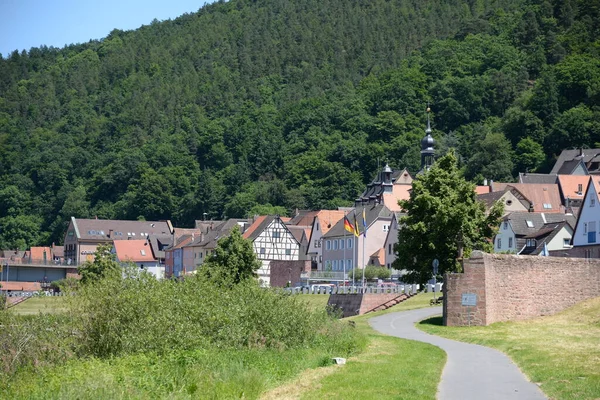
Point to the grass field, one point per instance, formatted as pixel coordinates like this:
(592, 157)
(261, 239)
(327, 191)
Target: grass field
(561, 352)
(389, 368)
(35, 305)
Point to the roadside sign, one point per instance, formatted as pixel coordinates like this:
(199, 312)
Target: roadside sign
(469, 299)
(435, 264)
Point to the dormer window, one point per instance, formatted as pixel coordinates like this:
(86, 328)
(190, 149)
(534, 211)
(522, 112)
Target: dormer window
(531, 243)
(530, 224)
(547, 206)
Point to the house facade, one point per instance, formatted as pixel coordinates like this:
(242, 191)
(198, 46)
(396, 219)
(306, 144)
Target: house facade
(322, 222)
(271, 241)
(139, 253)
(342, 251)
(586, 235)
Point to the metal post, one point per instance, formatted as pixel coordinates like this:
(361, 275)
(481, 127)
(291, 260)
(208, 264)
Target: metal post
(344, 260)
(363, 274)
(354, 251)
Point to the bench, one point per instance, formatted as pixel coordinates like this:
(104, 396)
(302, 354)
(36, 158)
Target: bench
(439, 300)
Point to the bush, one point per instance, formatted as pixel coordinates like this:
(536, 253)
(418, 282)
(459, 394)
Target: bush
(138, 313)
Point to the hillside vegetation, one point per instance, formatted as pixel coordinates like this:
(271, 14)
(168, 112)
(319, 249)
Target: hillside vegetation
(265, 106)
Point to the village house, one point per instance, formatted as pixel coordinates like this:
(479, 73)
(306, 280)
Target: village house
(272, 241)
(139, 253)
(84, 235)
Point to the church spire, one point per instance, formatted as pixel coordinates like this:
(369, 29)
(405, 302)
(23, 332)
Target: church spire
(427, 146)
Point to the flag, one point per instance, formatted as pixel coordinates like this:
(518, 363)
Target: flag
(364, 223)
(348, 225)
(356, 233)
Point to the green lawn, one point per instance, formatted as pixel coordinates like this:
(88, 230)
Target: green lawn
(35, 305)
(561, 352)
(389, 368)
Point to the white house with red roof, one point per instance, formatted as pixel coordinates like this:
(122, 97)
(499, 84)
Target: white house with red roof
(138, 252)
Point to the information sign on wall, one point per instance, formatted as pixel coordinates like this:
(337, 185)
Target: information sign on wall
(469, 299)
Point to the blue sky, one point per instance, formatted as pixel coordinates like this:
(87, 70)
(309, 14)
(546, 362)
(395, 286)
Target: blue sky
(32, 23)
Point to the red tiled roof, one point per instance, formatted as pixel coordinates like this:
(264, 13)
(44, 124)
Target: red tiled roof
(482, 189)
(37, 253)
(540, 194)
(253, 226)
(134, 250)
(329, 218)
(569, 185)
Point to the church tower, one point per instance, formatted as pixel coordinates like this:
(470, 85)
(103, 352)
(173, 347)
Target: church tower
(427, 147)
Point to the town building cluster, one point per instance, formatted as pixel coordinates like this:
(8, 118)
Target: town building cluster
(545, 214)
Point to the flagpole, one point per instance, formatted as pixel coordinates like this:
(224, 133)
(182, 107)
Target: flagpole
(344, 260)
(353, 257)
(363, 277)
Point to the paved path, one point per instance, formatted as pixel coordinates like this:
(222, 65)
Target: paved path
(472, 372)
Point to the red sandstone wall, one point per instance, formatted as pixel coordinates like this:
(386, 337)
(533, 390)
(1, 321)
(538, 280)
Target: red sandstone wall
(511, 287)
(284, 271)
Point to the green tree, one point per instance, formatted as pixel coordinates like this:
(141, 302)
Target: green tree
(444, 220)
(232, 262)
(529, 154)
(104, 261)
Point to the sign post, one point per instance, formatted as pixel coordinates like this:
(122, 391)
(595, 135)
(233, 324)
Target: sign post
(435, 264)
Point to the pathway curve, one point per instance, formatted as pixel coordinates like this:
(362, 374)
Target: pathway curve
(472, 372)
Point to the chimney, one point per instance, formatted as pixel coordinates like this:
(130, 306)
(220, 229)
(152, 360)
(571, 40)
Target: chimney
(110, 231)
(531, 208)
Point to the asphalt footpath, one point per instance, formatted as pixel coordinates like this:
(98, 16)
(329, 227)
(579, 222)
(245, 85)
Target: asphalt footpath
(472, 372)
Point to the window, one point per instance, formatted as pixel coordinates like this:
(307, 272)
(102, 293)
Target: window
(143, 252)
(592, 202)
(317, 226)
(505, 225)
(276, 234)
(316, 243)
(529, 224)
(342, 244)
(547, 206)
(592, 232)
(530, 243)
(510, 242)
(350, 243)
(508, 202)
(584, 228)
(335, 244)
(328, 244)
(334, 265)
(567, 242)
(499, 243)
(348, 264)
(262, 250)
(328, 265)
(390, 248)
(288, 252)
(386, 228)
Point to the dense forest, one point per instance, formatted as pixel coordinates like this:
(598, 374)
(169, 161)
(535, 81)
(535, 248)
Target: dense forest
(263, 106)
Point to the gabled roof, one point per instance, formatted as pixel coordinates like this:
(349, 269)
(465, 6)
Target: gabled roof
(518, 221)
(111, 229)
(544, 235)
(373, 213)
(58, 251)
(570, 184)
(537, 178)
(544, 197)
(210, 239)
(134, 250)
(159, 243)
(205, 226)
(303, 217)
(490, 198)
(568, 156)
(257, 224)
(297, 232)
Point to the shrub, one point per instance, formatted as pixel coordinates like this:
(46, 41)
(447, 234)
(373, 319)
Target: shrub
(138, 313)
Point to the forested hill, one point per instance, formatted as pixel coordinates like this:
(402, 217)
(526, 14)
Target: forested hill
(270, 105)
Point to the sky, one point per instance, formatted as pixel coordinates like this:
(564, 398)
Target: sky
(31, 23)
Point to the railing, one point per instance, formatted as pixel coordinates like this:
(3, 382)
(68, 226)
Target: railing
(325, 275)
(25, 262)
(316, 289)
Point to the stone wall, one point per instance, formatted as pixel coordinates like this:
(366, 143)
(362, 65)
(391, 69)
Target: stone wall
(284, 271)
(511, 287)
